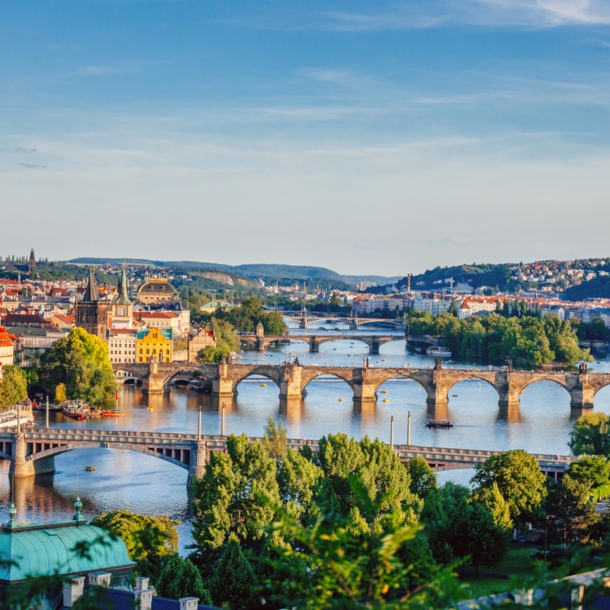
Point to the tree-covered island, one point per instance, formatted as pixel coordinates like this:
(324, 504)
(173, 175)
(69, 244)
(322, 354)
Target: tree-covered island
(528, 340)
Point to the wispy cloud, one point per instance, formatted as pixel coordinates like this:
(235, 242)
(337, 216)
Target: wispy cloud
(22, 149)
(92, 71)
(32, 165)
(524, 13)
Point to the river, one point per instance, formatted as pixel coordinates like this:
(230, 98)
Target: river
(125, 480)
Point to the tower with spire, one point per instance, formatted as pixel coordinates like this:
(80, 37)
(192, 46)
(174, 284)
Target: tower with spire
(91, 313)
(32, 262)
(122, 307)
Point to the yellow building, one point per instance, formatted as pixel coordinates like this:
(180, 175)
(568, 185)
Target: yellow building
(155, 342)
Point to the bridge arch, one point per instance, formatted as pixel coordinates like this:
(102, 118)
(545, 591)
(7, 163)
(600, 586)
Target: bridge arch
(334, 375)
(255, 373)
(604, 384)
(184, 371)
(473, 377)
(126, 376)
(394, 374)
(171, 457)
(546, 379)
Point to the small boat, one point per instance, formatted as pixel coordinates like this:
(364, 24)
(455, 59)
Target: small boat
(262, 385)
(384, 391)
(74, 409)
(149, 409)
(386, 400)
(111, 413)
(439, 423)
(89, 468)
(340, 399)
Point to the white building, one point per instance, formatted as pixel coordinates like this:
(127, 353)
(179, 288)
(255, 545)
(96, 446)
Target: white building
(471, 306)
(432, 302)
(365, 306)
(122, 345)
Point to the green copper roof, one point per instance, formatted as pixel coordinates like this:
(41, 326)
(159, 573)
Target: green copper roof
(122, 298)
(44, 549)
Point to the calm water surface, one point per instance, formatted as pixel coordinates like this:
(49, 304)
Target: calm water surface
(125, 480)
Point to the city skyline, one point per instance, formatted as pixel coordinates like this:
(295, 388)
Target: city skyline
(366, 140)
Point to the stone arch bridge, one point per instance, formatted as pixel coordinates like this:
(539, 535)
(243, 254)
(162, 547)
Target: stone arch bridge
(353, 321)
(292, 380)
(33, 452)
(261, 342)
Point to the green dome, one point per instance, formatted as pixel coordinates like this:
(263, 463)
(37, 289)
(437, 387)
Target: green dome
(42, 549)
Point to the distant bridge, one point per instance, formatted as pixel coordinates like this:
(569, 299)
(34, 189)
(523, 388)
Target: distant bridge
(33, 452)
(354, 322)
(260, 342)
(292, 379)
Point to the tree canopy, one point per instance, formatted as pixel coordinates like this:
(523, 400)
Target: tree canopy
(13, 387)
(517, 476)
(149, 540)
(528, 340)
(79, 361)
(591, 435)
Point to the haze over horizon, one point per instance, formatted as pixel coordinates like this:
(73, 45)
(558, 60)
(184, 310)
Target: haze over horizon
(368, 138)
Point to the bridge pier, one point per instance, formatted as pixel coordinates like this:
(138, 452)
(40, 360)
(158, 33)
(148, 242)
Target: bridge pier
(582, 395)
(314, 345)
(375, 345)
(21, 467)
(291, 382)
(364, 391)
(198, 460)
(155, 382)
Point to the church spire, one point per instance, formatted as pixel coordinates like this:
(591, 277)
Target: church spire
(91, 293)
(123, 292)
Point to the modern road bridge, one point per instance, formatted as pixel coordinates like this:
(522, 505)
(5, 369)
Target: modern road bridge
(354, 322)
(33, 452)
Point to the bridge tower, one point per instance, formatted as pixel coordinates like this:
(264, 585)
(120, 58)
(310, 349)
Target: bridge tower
(155, 379)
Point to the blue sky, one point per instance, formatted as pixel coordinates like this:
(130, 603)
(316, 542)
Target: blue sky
(369, 137)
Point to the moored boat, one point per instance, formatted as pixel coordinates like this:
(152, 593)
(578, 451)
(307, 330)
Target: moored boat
(74, 409)
(439, 423)
(112, 413)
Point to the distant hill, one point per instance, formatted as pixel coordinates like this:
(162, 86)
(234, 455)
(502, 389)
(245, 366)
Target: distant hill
(475, 275)
(295, 272)
(597, 288)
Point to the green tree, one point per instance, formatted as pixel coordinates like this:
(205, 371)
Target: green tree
(518, 478)
(274, 324)
(234, 582)
(423, 478)
(593, 472)
(298, 479)
(13, 387)
(590, 435)
(495, 503)
(80, 361)
(568, 515)
(181, 578)
(61, 395)
(345, 568)
(372, 461)
(229, 498)
(149, 540)
(275, 439)
(480, 537)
